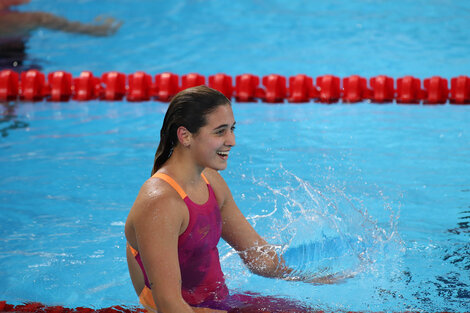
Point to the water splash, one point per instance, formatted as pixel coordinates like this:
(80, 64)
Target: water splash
(319, 230)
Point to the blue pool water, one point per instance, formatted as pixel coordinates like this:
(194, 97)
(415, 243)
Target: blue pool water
(382, 191)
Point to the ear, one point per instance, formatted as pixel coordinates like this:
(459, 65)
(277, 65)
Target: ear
(184, 136)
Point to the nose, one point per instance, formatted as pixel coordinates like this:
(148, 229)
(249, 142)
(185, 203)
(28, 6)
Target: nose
(230, 139)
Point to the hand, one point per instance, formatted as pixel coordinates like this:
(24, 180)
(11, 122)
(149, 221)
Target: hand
(105, 26)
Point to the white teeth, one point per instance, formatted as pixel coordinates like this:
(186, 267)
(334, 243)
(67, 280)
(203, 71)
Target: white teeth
(223, 153)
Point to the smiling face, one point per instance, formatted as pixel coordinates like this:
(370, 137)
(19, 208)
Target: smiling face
(212, 143)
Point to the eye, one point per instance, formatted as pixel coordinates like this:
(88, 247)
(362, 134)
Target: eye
(220, 132)
(233, 129)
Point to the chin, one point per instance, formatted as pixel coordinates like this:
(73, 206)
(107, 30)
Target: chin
(218, 167)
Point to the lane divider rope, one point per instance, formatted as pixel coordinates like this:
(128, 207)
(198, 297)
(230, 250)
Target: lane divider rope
(60, 86)
(36, 307)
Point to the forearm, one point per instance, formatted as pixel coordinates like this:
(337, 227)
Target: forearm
(54, 22)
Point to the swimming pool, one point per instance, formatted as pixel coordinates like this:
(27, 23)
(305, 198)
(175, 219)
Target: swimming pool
(327, 183)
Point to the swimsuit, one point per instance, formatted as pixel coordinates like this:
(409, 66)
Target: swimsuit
(201, 275)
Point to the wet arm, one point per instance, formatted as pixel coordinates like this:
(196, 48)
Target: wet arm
(20, 23)
(101, 26)
(259, 256)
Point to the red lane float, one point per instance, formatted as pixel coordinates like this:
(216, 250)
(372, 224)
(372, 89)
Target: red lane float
(436, 90)
(246, 88)
(33, 86)
(355, 89)
(114, 86)
(409, 90)
(60, 84)
(192, 80)
(329, 87)
(222, 83)
(139, 86)
(166, 86)
(301, 89)
(8, 85)
(275, 88)
(86, 86)
(382, 89)
(460, 90)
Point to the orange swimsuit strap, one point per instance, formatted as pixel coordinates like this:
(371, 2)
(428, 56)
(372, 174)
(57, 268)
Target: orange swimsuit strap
(174, 184)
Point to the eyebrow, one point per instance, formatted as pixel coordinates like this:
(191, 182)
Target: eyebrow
(224, 126)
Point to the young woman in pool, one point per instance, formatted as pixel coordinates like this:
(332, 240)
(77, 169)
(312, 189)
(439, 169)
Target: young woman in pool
(185, 207)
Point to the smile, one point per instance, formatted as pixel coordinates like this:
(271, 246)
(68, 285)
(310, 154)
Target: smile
(223, 154)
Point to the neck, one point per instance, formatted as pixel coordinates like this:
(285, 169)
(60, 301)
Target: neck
(182, 167)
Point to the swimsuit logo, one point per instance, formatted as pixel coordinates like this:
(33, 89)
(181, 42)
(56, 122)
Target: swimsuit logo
(204, 230)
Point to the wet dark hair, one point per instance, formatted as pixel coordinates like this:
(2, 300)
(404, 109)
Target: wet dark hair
(188, 108)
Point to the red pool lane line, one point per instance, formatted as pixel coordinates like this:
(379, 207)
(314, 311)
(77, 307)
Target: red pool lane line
(33, 307)
(36, 307)
(60, 86)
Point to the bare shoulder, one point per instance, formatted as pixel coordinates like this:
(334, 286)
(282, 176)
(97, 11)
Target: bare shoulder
(213, 176)
(156, 202)
(155, 196)
(216, 180)
(220, 187)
